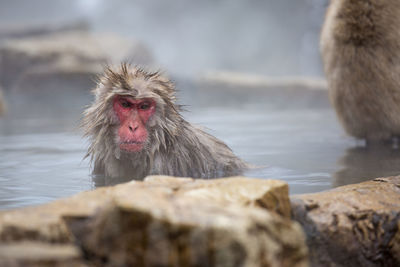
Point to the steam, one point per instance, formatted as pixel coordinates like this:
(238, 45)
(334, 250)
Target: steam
(275, 37)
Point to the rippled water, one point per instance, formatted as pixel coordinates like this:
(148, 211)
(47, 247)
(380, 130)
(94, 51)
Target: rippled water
(41, 157)
(36, 168)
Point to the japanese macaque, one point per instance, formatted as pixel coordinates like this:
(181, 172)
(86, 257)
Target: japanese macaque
(360, 46)
(136, 129)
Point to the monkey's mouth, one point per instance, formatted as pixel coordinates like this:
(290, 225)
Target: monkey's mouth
(131, 145)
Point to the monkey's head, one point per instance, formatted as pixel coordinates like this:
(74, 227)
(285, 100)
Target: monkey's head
(132, 109)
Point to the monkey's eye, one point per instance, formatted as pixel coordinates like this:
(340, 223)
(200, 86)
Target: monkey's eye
(144, 106)
(125, 104)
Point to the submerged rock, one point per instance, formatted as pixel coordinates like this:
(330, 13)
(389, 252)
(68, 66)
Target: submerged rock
(239, 87)
(68, 52)
(353, 225)
(265, 82)
(166, 221)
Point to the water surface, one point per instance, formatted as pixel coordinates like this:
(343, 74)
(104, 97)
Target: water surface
(42, 151)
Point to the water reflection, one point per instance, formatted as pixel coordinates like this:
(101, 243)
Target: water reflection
(363, 163)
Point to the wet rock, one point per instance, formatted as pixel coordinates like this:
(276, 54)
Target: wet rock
(166, 221)
(78, 52)
(46, 222)
(278, 90)
(353, 225)
(273, 196)
(180, 232)
(257, 81)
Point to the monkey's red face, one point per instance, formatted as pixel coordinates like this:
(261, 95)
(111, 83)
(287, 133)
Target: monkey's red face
(133, 114)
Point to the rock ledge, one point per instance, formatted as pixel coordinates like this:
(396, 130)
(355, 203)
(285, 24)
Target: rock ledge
(163, 221)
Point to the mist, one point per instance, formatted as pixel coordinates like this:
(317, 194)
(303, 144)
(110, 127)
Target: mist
(186, 38)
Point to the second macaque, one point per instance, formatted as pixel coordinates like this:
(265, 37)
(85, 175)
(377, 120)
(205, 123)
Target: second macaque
(136, 129)
(360, 44)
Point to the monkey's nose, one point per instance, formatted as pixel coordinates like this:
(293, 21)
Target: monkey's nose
(132, 129)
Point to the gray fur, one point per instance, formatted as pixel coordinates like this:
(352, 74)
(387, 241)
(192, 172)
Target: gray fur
(360, 45)
(174, 146)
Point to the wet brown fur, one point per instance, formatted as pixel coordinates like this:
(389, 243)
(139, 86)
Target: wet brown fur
(174, 146)
(360, 46)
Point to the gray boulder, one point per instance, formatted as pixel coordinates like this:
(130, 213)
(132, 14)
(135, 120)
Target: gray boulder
(70, 51)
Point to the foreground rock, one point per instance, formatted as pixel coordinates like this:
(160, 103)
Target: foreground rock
(354, 225)
(78, 52)
(40, 254)
(163, 221)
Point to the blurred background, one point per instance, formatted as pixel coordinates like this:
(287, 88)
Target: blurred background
(249, 71)
(189, 37)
